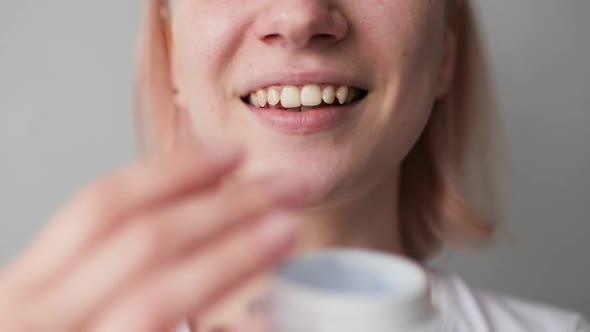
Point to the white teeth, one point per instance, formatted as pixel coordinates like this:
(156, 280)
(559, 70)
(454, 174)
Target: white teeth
(342, 94)
(290, 97)
(311, 95)
(262, 99)
(273, 96)
(308, 96)
(254, 99)
(329, 95)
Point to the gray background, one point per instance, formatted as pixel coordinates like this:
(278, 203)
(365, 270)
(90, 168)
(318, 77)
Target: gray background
(65, 101)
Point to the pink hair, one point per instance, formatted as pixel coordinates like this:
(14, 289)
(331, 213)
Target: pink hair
(434, 209)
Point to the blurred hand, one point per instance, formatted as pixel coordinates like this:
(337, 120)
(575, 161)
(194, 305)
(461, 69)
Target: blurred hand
(150, 244)
(256, 323)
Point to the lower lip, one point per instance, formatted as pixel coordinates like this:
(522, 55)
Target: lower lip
(306, 122)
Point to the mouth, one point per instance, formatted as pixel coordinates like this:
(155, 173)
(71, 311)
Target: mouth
(304, 98)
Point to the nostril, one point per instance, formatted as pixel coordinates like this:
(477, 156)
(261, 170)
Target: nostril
(272, 38)
(295, 24)
(324, 38)
(279, 40)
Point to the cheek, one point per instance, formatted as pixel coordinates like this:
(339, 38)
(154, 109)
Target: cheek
(207, 36)
(404, 40)
(206, 40)
(399, 27)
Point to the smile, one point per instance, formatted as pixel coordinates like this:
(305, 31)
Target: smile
(304, 97)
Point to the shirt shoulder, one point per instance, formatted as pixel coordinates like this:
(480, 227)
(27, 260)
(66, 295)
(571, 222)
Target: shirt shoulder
(466, 309)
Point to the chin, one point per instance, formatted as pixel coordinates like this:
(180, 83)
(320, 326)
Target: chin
(323, 177)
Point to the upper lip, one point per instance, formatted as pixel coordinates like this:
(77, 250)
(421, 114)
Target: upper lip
(300, 78)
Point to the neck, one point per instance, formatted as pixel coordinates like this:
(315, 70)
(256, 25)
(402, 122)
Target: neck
(368, 220)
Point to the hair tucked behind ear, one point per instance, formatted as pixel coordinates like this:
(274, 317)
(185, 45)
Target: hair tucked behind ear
(434, 205)
(434, 208)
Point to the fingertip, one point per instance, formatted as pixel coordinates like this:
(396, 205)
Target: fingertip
(287, 191)
(223, 154)
(277, 230)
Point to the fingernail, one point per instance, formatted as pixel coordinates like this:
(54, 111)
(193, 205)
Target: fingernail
(277, 231)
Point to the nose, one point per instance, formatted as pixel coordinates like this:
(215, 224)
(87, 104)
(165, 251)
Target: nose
(298, 24)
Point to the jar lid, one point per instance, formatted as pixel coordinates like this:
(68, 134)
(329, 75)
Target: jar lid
(351, 287)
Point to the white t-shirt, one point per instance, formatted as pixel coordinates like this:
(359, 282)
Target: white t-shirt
(465, 309)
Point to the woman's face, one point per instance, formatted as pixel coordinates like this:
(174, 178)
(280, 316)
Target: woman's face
(388, 54)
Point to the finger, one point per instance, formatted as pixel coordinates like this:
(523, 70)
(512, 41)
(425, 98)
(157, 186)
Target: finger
(257, 323)
(222, 329)
(194, 283)
(156, 239)
(100, 206)
(195, 221)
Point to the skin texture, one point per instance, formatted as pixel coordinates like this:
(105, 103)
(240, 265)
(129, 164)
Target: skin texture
(128, 252)
(400, 51)
(395, 48)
